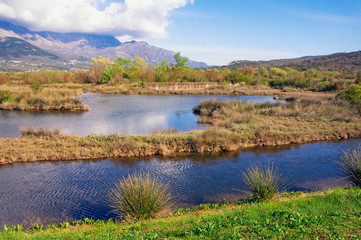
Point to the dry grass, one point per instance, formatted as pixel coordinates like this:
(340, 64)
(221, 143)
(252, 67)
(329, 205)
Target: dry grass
(234, 125)
(46, 98)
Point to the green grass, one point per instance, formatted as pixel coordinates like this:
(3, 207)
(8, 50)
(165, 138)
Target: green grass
(331, 214)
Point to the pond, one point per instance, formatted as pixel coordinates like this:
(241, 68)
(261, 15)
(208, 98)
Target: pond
(57, 191)
(131, 114)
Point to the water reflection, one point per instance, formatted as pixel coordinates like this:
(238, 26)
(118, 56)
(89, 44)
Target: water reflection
(57, 191)
(131, 114)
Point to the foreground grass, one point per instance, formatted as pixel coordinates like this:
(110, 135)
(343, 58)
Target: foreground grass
(331, 214)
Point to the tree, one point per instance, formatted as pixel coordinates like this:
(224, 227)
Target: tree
(140, 62)
(181, 62)
(99, 65)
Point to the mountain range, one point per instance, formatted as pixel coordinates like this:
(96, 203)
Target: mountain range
(348, 62)
(23, 49)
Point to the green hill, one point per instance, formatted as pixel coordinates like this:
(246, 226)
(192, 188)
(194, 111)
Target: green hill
(349, 62)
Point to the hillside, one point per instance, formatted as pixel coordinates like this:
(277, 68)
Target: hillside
(350, 62)
(11, 48)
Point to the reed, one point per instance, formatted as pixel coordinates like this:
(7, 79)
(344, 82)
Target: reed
(350, 165)
(27, 131)
(263, 182)
(140, 196)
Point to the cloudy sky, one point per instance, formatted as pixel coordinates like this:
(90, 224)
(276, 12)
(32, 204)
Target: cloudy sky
(213, 31)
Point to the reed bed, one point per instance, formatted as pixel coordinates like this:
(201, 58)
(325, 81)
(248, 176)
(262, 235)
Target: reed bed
(42, 98)
(233, 125)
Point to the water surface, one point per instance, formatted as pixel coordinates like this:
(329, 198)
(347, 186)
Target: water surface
(58, 191)
(131, 114)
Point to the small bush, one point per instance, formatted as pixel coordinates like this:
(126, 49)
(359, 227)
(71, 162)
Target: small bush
(36, 86)
(263, 182)
(141, 197)
(353, 96)
(350, 165)
(5, 96)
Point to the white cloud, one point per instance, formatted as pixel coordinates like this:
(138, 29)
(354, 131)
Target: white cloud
(134, 18)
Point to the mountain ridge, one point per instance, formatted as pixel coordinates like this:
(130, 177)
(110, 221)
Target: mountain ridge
(344, 61)
(72, 46)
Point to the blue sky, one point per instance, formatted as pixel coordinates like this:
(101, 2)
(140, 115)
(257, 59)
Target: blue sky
(216, 32)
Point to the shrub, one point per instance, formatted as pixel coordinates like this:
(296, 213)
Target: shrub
(2, 80)
(263, 182)
(139, 196)
(5, 96)
(36, 86)
(350, 165)
(353, 96)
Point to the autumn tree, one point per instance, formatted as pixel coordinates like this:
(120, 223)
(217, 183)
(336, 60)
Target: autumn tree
(140, 62)
(98, 66)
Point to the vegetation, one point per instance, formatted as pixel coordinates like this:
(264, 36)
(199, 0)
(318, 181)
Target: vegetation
(233, 125)
(341, 62)
(331, 214)
(38, 97)
(353, 96)
(350, 164)
(136, 72)
(140, 196)
(263, 182)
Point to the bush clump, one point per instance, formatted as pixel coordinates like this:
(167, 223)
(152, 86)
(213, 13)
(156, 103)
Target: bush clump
(263, 182)
(5, 96)
(350, 165)
(140, 196)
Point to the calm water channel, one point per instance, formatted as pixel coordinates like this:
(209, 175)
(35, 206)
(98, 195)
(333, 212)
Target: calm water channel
(131, 114)
(59, 191)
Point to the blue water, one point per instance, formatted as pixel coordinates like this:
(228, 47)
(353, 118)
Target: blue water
(131, 114)
(58, 191)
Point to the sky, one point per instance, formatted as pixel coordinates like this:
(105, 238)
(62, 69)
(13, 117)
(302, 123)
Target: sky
(215, 32)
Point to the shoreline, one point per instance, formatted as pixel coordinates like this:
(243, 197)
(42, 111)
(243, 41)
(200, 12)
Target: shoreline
(72, 148)
(309, 214)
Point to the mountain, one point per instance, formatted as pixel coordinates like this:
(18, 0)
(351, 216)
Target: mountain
(72, 47)
(349, 62)
(11, 48)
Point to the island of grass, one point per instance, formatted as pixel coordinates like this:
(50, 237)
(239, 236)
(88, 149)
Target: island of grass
(233, 125)
(328, 214)
(40, 98)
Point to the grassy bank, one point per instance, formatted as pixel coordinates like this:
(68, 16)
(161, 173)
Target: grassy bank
(233, 125)
(41, 97)
(331, 214)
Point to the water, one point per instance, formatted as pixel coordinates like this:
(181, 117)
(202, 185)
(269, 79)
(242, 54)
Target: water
(43, 192)
(58, 191)
(131, 114)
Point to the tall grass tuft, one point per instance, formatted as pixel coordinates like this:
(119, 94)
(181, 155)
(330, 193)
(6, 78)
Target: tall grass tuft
(40, 131)
(350, 164)
(140, 197)
(263, 182)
